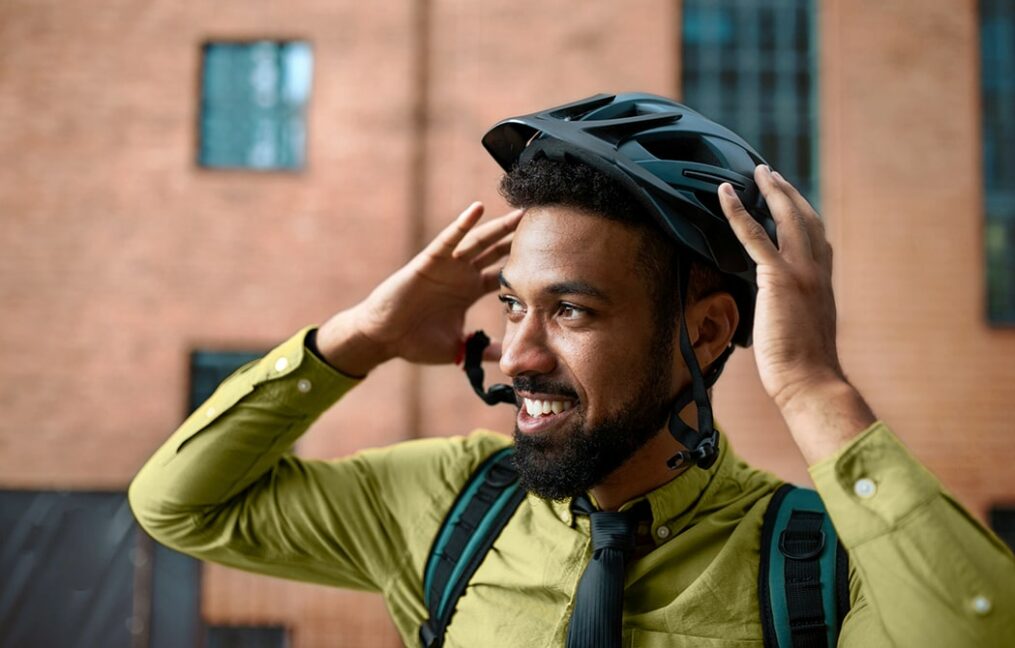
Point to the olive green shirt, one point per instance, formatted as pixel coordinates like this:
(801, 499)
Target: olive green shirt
(226, 488)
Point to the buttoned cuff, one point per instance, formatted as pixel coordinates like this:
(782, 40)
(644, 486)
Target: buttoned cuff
(871, 485)
(290, 376)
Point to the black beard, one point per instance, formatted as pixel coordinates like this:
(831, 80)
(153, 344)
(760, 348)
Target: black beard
(569, 461)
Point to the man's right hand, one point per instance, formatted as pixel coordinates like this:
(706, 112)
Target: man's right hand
(418, 313)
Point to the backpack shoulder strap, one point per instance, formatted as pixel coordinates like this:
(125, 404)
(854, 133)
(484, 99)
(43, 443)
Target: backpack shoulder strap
(479, 514)
(803, 580)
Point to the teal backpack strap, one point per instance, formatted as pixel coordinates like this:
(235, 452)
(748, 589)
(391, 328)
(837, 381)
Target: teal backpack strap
(479, 514)
(803, 580)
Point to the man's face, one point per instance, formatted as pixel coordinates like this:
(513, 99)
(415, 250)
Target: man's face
(593, 374)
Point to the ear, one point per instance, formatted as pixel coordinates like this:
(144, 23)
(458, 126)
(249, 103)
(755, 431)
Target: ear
(711, 322)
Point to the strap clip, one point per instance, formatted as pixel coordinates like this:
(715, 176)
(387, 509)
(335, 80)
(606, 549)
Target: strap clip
(813, 543)
(474, 346)
(703, 456)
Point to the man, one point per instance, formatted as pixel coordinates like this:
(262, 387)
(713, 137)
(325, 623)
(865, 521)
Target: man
(620, 256)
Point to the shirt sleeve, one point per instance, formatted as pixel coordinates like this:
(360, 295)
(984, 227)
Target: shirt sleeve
(928, 573)
(225, 487)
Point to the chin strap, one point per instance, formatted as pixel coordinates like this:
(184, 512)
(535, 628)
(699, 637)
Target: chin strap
(702, 444)
(475, 344)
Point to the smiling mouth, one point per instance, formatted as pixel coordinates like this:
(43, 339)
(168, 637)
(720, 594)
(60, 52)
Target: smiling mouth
(537, 407)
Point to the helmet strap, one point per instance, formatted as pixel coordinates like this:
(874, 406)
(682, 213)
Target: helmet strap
(475, 344)
(702, 444)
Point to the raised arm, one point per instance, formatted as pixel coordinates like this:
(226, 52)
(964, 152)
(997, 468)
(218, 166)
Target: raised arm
(224, 487)
(928, 573)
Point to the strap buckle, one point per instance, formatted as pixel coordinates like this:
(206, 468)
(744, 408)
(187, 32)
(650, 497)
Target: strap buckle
(813, 544)
(703, 456)
(427, 636)
(474, 346)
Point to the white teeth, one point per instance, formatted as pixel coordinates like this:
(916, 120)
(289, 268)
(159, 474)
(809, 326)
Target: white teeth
(545, 407)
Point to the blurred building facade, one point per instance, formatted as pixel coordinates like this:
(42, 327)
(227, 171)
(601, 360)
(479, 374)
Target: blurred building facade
(128, 245)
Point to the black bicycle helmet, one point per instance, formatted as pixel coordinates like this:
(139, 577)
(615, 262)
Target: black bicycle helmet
(671, 158)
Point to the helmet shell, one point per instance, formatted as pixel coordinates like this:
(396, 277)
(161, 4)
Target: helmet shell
(669, 157)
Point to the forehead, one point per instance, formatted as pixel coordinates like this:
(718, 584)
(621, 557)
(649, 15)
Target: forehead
(554, 244)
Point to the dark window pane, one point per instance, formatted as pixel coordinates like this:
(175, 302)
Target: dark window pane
(246, 637)
(997, 70)
(751, 67)
(209, 368)
(766, 28)
(1002, 521)
(68, 574)
(253, 104)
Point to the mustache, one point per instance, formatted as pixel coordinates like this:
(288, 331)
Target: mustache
(536, 384)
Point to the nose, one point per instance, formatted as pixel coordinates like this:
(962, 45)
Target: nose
(524, 349)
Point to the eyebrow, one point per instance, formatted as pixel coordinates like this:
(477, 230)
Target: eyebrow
(566, 288)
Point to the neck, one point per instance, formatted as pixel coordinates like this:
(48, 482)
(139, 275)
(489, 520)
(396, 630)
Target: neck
(645, 471)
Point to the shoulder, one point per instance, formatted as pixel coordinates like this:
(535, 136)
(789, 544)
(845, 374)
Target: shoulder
(428, 472)
(416, 483)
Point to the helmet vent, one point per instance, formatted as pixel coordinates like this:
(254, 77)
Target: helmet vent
(682, 149)
(713, 178)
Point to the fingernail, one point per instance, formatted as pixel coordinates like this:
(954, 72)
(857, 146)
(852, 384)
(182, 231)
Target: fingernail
(727, 189)
(777, 175)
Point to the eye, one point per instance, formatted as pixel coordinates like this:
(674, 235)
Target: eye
(570, 311)
(511, 305)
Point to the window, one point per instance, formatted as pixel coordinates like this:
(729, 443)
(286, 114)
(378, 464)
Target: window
(77, 571)
(209, 368)
(751, 66)
(997, 75)
(254, 105)
(1002, 521)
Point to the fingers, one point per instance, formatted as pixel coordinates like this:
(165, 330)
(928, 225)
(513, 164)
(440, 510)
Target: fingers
(494, 253)
(750, 232)
(820, 247)
(491, 280)
(794, 238)
(479, 240)
(452, 235)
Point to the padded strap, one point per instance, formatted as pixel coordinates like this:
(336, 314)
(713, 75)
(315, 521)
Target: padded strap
(802, 542)
(476, 519)
(803, 576)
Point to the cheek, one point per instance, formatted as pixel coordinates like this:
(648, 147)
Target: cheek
(603, 373)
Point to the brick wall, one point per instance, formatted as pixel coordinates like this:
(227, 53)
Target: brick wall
(119, 255)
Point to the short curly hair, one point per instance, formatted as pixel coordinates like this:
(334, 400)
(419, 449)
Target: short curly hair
(569, 183)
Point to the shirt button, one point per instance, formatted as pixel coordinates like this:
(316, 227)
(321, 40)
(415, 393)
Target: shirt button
(981, 605)
(303, 385)
(281, 364)
(663, 532)
(865, 488)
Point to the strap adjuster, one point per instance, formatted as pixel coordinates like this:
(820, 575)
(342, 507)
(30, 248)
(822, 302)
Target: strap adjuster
(813, 543)
(427, 636)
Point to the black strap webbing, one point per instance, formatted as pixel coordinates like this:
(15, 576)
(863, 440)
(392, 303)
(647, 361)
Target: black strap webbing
(802, 542)
(803, 577)
(476, 519)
